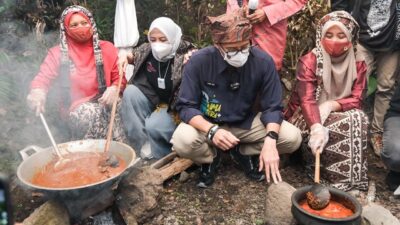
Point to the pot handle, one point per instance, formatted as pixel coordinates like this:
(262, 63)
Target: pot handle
(134, 162)
(25, 152)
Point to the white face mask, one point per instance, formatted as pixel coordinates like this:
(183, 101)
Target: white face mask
(237, 59)
(161, 51)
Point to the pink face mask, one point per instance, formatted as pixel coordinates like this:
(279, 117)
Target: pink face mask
(335, 48)
(81, 34)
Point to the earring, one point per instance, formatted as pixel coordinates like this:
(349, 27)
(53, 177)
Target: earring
(345, 48)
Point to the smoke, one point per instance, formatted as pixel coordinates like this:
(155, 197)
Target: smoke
(22, 50)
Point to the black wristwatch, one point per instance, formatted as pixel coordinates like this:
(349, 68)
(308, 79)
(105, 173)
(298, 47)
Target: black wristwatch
(273, 135)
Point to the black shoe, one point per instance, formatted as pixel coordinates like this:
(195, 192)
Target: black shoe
(249, 164)
(207, 171)
(393, 180)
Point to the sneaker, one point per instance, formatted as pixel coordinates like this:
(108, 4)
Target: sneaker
(393, 180)
(208, 170)
(376, 142)
(248, 163)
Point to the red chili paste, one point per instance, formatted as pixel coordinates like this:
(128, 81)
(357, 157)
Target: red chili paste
(333, 210)
(82, 168)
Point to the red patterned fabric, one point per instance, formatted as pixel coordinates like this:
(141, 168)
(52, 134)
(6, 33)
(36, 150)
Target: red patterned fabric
(303, 96)
(230, 27)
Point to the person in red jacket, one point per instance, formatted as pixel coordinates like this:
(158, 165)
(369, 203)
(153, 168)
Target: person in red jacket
(85, 68)
(269, 22)
(326, 103)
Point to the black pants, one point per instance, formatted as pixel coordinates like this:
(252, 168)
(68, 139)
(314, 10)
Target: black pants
(391, 143)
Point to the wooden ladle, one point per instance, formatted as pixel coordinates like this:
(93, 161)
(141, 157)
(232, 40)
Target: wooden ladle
(62, 161)
(318, 197)
(108, 159)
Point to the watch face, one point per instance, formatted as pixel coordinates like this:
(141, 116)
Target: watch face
(273, 135)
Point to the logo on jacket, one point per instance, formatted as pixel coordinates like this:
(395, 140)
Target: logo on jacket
(210, 107)
(150, 68)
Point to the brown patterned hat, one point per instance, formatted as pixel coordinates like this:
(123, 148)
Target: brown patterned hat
(230, 28)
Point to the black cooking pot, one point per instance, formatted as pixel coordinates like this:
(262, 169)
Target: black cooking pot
(305, 218)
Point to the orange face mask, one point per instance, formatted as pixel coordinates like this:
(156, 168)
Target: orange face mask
(81, 34)
(335, 48)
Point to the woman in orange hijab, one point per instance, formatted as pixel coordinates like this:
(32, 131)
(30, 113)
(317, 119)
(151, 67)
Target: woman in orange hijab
(87, 73)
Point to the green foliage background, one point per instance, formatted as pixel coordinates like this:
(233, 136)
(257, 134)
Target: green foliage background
(28, 28)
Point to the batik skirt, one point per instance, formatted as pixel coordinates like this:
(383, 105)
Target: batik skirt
(90, 120)
(344, 158)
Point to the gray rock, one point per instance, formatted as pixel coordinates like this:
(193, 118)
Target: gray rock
(50, 212)
(374, 214)
(278, 204)
(184, 176)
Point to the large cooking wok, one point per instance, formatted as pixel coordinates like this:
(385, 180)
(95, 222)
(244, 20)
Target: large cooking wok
(41, 156)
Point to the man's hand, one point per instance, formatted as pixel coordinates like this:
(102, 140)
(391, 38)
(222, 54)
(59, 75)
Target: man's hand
(257, 17)
(269, 160)
(224, 139)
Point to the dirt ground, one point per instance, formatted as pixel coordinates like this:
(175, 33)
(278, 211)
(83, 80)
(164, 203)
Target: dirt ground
(233, 199)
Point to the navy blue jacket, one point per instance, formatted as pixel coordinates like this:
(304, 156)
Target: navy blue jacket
(206, 89)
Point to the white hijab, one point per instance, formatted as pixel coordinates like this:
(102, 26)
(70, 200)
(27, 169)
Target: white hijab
(171, 30)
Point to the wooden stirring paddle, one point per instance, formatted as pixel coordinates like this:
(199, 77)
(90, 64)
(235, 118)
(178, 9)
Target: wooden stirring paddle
(108, 159)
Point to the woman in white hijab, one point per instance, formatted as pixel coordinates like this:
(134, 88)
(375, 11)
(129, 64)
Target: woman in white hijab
(148, 104)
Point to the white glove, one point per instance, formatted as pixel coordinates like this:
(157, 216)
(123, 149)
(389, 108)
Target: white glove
(124, 56)
(36, 100)
(109, 96)
(324, 110)
(319, 137)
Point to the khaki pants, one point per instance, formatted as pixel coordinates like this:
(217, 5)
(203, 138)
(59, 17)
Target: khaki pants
(190, 143)
(386, 64)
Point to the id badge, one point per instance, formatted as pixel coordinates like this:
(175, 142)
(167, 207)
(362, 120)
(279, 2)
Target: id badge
(161, 83)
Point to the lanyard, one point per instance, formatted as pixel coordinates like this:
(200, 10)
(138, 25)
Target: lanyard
(160, 79)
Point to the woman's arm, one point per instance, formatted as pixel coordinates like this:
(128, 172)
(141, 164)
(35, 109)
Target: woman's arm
(48, 71)
(282, 10)
(306, 87)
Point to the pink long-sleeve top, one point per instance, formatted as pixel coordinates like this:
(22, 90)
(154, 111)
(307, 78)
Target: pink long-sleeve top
(270, 35)
(303, 95)
(84, 85)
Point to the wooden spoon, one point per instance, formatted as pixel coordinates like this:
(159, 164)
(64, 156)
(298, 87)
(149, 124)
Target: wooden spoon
(62, 161)
(107, 159)
(318, 197)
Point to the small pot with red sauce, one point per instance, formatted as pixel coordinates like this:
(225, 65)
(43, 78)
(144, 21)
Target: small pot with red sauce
(343, 209)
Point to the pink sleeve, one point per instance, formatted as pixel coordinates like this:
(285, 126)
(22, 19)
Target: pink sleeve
(48, 71)
(282, 10)
(354, 101)
(110, 60)
(306, 87)
(231, 5)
